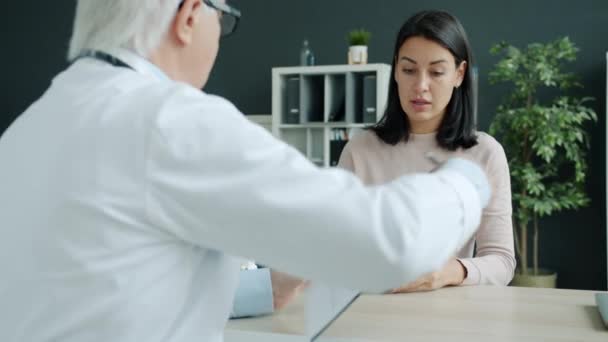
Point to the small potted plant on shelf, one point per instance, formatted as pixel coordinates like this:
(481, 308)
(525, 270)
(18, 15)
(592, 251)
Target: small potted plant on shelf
(358, 41)
(543, 132)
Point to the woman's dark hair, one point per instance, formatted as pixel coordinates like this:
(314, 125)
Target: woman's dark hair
(457, 128)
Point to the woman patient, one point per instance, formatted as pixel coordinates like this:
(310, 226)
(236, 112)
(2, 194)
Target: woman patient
(429, 118)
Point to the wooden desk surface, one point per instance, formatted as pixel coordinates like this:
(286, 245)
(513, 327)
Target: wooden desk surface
(470, 314)
(287, 325)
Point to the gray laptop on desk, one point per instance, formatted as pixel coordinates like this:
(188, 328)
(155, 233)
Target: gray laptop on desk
(324, 305)
(602, 305)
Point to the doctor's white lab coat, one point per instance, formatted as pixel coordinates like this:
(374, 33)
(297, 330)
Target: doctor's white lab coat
(125, 201)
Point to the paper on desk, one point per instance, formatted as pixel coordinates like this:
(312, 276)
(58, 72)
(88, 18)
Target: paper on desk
(323, 305)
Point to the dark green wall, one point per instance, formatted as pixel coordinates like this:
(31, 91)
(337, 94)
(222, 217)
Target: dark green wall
(34, 38)
(271, 33)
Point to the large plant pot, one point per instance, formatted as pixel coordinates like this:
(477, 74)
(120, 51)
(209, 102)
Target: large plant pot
(544, 278)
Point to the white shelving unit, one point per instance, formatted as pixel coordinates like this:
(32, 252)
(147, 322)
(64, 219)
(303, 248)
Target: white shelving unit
(316, 108)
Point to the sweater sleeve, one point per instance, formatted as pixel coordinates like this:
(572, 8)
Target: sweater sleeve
(494, 262)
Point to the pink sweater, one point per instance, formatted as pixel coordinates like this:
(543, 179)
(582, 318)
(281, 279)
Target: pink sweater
(376, 162)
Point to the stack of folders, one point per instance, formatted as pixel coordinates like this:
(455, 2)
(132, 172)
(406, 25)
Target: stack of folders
(292, 101)
(369, 99)
(337, 141)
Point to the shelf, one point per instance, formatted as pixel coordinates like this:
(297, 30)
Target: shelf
(332, 69)
(297, 139)
(323, 125)
(312, 95)
(316, 136)
(335, 97)
(309, 104)
(361, 100)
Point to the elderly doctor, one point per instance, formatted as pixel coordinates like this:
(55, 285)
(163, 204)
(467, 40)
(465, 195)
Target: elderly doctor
(126, 207)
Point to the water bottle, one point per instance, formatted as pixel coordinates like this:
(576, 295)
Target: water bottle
(306, 55)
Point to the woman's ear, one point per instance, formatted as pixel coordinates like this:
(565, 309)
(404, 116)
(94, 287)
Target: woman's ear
(461, 71)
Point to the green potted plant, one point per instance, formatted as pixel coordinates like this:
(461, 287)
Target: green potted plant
(543, 133)
(358, 41)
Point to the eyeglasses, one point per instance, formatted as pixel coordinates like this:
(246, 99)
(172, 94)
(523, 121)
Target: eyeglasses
(229, 16)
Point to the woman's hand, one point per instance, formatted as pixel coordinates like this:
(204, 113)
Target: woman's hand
(453, 273)
(285, 288)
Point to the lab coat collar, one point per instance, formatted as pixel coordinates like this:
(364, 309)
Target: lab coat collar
(139, 63)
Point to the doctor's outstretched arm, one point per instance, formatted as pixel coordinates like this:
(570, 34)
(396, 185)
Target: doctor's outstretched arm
(219, 181)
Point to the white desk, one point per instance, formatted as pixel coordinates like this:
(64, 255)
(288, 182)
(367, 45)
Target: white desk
(466, 314)
(287, 325)
(471, 314)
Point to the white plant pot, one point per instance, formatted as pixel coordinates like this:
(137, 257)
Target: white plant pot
(357, 54)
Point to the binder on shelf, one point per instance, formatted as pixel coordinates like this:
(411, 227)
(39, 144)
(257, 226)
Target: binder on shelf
(292, 101)
(369, 99)
(354, 90)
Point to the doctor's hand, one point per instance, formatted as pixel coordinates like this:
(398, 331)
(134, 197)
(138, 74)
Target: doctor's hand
(453, 273)
(285, 288)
